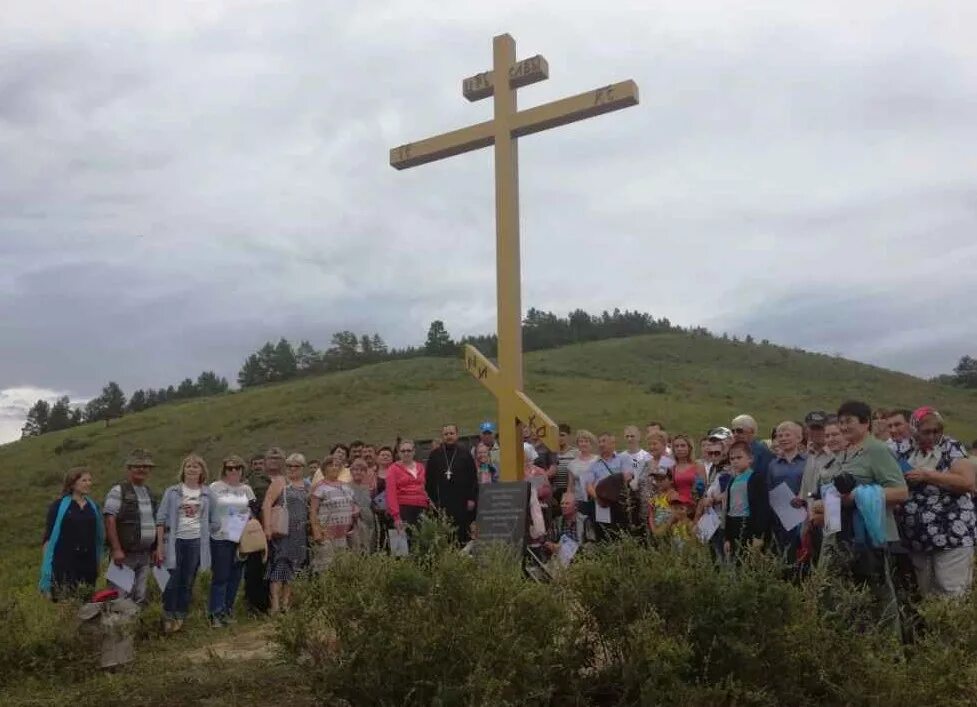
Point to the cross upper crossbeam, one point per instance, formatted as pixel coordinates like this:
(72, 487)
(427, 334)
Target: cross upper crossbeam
(526, 72)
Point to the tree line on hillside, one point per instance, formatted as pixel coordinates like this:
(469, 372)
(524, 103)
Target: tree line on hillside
(46, 417)
(274, 363)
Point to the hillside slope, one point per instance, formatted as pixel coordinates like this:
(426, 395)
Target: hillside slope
(700, 382)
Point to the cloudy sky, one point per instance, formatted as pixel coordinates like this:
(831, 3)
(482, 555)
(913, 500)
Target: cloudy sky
(181, 181)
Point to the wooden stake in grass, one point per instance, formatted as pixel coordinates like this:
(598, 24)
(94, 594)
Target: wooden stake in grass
(506, 380)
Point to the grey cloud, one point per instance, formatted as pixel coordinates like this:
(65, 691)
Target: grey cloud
(919, 328)
(179, 189)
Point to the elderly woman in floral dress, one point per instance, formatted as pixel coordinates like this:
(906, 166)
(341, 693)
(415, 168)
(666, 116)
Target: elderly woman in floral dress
(938, 522)
(331, 512)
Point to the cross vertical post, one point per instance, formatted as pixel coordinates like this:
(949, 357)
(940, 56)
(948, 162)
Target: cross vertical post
(507, 255)
(505, 381)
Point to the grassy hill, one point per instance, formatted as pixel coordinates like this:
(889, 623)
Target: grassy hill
(691, 383)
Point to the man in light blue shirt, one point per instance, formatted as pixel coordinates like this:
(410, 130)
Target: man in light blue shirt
(787, 468)
(608, 462)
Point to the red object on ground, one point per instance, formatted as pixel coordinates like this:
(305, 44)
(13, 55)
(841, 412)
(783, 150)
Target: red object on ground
(105, 595)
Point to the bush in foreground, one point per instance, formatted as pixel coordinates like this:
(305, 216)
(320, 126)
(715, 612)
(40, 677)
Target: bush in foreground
(38, 637)
(627, 624)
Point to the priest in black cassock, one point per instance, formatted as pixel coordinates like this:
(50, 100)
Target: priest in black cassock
(452, 481)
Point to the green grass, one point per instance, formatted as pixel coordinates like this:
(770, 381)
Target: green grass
(690, 383)
(600, 385)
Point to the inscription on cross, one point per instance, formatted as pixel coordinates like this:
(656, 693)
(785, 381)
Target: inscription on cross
(505, 381)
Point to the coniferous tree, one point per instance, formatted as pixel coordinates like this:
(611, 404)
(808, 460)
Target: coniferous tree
(284, 365)
(94, 410)
(186, 389)
(379, 347)
(60, 417)
(266, 357)
(343, 353)
(37, 420)
(251, 373)
(137, 401)
(438, 341)
(306, 357)
(966, 372)
(114, 401)
(366, 350)
(209, 383)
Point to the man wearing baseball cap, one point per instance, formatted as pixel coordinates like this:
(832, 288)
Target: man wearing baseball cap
(487, 437)
(720, 434)
(817, 454)
(130, 522)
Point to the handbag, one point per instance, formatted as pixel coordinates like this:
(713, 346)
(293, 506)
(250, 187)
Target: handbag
(279, 517)
(253, 539)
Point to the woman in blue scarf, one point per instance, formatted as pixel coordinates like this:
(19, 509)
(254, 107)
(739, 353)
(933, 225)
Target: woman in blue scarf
(73, 538)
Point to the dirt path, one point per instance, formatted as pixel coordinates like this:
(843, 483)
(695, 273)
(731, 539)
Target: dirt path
(252, 643)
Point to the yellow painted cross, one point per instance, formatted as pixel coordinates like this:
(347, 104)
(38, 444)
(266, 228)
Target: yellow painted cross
(505, 382)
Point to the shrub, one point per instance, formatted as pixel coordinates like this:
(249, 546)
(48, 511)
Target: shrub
(42, 638)
(628, 623)
(746, 634)
(448, 630)
(71, 444)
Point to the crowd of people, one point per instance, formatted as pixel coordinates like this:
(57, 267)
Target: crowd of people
(884, 497)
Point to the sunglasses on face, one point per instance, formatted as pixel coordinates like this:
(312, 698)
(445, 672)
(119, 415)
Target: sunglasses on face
(740, 431)
(406, 451)
(236, 467)
(714, 454)
(294, 466)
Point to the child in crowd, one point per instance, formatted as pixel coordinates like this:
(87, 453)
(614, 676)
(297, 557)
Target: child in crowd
(659, 510)
(487, 473)
(678, 521)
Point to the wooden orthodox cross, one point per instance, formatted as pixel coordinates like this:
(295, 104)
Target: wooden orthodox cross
(506, 380)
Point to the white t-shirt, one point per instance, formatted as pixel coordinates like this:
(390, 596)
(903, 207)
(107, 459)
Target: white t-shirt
(580, 468)
(188, 517)
(635, 462)
(229, 500)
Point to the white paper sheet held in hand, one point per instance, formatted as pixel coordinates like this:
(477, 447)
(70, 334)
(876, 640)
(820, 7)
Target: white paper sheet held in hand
(399, 546)
(568, 550)
(707, 526)
(122, 577)
(234, 526)
(780, 499)
(602, 514)
(162, 576)
(832, 509)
